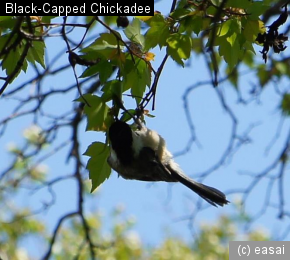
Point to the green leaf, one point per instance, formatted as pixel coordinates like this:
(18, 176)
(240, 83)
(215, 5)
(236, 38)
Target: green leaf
(137, 79)
(233, 77)
(197, 45)
(36, 53)
(224, 28)
(232, 39)
(126, 116)
(196, 23)
(105, 46)
(264, 75)
(230, 27)
(180, 13)
(96, 113)
(248, 46)
(47, 19)
(90, 71)
(105, 41)
(157, 34)
(105, 71)
(282, 68)
(98, 168)
(4, 18)
(128, 66)
(12, 61)
(256, 9)
(131, 79)
(248, 57)
(230, 50)
(285, 104)
(253, 8)
(103, 68)
(109, 20)
(7, 22)
(179, 47)
(251, 30)
(92, 55)
(111, 89)
(133, 32)
(239, 4)
(216, 2)
(181, 4)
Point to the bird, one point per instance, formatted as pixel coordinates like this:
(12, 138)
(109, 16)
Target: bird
(142, 155)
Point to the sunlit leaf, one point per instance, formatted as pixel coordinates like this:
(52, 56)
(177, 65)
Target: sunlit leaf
(109, 20)
(224, 28)
(133, 32)
(96, 113)
(157, 33)
(144, 18)
(106, 45)
(136, 78)
(98, 168)
(179, 47)
(230, 50)
(251, 30)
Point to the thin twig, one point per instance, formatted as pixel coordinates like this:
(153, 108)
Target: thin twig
(55, 233)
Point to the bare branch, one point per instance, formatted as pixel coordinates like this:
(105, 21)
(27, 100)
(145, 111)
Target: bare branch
(55, 232)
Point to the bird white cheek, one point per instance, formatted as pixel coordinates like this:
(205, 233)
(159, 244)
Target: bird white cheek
(113, 157)
(137, 143)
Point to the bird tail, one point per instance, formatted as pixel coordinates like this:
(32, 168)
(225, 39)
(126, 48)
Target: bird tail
(211, 195)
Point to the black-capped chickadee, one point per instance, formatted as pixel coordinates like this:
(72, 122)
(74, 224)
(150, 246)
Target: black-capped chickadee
(142, 155)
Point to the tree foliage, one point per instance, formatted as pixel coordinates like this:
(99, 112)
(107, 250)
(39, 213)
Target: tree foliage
(124, 243)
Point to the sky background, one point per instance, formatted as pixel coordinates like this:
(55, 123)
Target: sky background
(160, 208)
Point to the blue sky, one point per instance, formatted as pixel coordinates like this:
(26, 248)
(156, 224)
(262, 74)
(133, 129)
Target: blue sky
(159, 207)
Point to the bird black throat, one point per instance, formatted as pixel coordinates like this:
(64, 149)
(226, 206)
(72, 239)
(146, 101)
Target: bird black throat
(120, 135)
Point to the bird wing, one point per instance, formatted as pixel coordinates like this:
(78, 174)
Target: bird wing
(146, 167)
